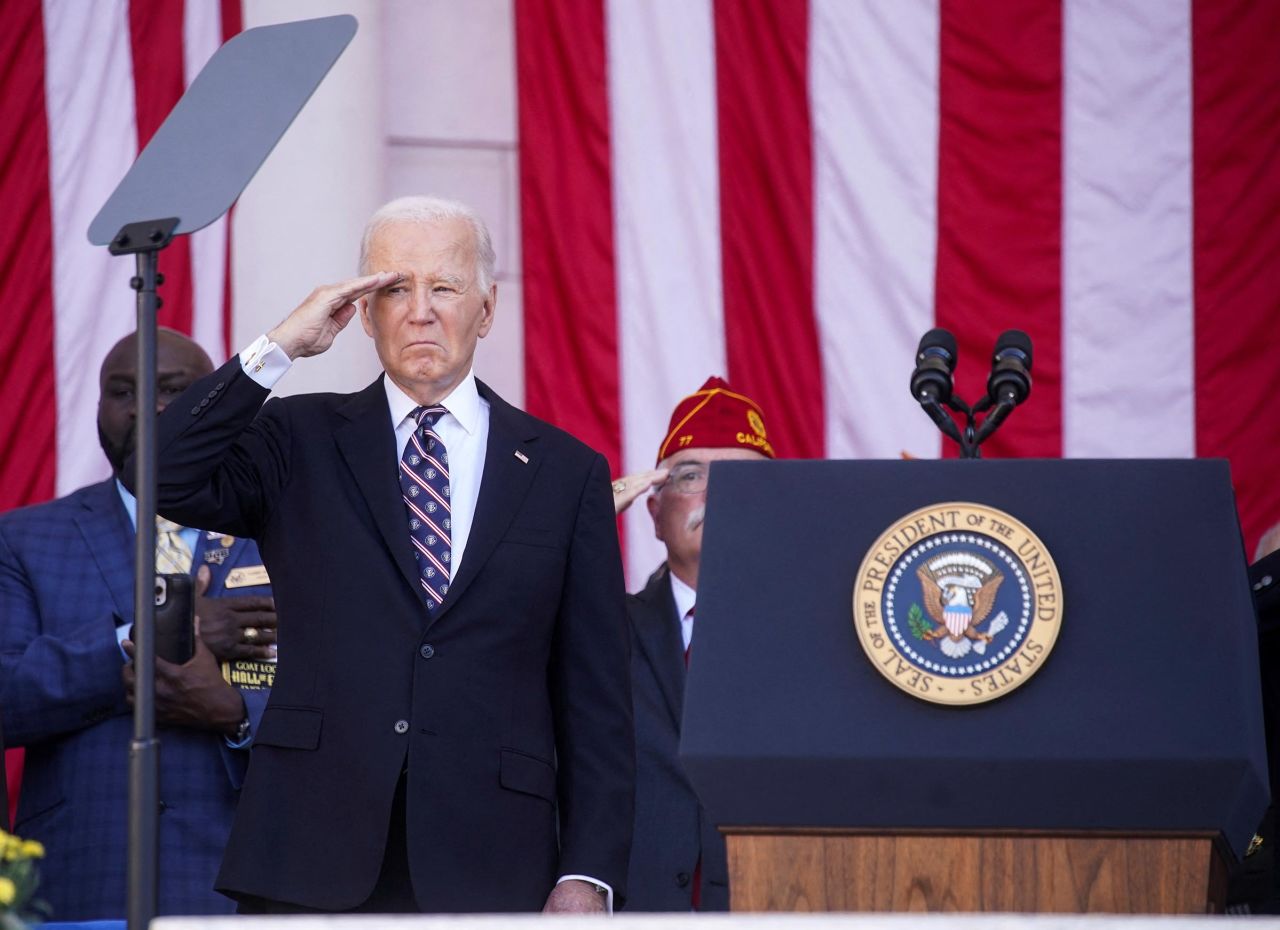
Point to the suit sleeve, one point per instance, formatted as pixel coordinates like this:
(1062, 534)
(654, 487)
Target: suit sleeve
(590, 676)
(50, 685)
(221, 456)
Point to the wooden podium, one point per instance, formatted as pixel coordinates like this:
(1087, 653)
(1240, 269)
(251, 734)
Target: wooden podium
(1019, 872)
(1123, 777)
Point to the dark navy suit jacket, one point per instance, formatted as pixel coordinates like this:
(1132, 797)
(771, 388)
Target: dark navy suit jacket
(672, 828)
(508, 708)
(66, 583)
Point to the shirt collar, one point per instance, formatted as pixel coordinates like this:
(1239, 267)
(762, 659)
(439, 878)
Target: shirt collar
(130, 503)
(463, 403)
(684, 595)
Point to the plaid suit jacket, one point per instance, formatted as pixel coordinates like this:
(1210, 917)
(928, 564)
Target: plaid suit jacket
(66, 582)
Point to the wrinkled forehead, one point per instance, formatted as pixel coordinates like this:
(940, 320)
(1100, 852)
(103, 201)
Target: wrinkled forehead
(422, 246)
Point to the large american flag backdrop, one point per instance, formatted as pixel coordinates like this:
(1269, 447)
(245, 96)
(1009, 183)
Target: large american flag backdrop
(791, 193)
(787, 193)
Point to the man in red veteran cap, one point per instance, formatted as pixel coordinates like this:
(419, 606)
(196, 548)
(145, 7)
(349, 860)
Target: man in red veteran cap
(677, 855)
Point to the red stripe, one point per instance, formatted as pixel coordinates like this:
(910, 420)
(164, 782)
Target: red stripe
(28, 413)
(1236, 191)
(999, 202)
(232, 24)
(155, 33)
(766, 217)
(570, 307)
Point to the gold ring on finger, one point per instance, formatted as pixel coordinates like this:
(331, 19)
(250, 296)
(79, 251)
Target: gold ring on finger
(619, 486)
(251, 634)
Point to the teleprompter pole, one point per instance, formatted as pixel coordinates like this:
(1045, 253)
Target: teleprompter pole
(144, 240)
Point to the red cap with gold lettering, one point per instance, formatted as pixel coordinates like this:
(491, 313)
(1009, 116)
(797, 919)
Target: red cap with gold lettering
(714, 417)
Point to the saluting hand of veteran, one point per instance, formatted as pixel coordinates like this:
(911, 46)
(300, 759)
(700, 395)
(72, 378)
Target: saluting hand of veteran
(313, 325)
(627, 488)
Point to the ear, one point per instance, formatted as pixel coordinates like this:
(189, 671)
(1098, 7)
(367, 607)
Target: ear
(364, 304)
(652, 503)
(487, 311)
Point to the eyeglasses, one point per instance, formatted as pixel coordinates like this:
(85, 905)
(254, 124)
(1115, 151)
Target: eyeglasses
(687, 479)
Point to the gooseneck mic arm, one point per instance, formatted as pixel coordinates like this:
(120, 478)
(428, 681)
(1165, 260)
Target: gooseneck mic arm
(933, 386)
(931, 382)
(1010, 381)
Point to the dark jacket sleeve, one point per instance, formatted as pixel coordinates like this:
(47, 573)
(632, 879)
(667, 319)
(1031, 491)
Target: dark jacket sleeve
(592, 697)
(221, 457)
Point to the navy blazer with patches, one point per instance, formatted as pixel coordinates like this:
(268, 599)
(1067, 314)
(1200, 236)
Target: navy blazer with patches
(66, 583)
(508, 708)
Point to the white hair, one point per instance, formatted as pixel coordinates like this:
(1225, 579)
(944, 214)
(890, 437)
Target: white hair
(426, 210)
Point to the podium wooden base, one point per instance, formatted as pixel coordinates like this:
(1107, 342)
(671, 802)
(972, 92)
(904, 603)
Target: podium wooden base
(773, 870)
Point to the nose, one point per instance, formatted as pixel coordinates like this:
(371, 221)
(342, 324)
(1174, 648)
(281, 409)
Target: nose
(422, 309)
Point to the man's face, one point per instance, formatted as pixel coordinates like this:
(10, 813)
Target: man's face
(179, 362)
(678, 517)
(425, 327)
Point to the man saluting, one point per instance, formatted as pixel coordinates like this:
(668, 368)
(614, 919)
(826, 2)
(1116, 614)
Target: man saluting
(451, 726)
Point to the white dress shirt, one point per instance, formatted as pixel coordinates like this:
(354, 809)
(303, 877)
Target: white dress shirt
(685, 597)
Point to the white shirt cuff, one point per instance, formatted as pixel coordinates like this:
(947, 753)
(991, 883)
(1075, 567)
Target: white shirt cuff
(608, 902)
(265, 362)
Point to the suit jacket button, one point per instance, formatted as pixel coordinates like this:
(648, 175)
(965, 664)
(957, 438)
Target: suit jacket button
(220, 385)
(212, 394)
(402, 726)
(682, 878)
(195, 410)
(427, 650)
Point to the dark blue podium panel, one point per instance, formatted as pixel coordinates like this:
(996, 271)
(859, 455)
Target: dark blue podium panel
(1146, 715)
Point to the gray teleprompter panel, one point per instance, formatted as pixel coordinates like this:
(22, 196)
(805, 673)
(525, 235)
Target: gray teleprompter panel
(225, 125)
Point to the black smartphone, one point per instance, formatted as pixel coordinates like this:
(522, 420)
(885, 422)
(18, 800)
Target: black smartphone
(175, 618)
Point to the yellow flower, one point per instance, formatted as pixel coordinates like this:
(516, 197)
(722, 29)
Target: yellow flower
(32, 849)
(7, 890)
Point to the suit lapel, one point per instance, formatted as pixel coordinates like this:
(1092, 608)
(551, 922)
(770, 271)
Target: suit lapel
(109, 537)
(658, 633)
(367, 442)
(503, 485)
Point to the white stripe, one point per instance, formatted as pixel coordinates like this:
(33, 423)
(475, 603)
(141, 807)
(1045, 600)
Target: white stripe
(201, 36)
(1128, 327)
(873, 83)
(667, 227)
(92, 142)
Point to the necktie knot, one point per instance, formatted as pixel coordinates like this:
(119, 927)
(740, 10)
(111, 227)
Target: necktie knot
(428, 416)
(167, 526)
(173, 555)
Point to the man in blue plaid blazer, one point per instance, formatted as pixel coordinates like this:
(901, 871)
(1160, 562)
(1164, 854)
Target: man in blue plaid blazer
(66, 606)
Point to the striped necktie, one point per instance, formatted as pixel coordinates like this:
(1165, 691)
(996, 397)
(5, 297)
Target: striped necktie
(173, 555)
(424, 484)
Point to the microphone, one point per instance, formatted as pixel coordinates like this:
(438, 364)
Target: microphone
(1010, 381)
(935, 362)
(932, 383)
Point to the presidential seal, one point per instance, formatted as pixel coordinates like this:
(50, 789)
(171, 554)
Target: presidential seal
(957, 603)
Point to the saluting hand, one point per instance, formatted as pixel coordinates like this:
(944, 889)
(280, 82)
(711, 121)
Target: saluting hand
(313, 325)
